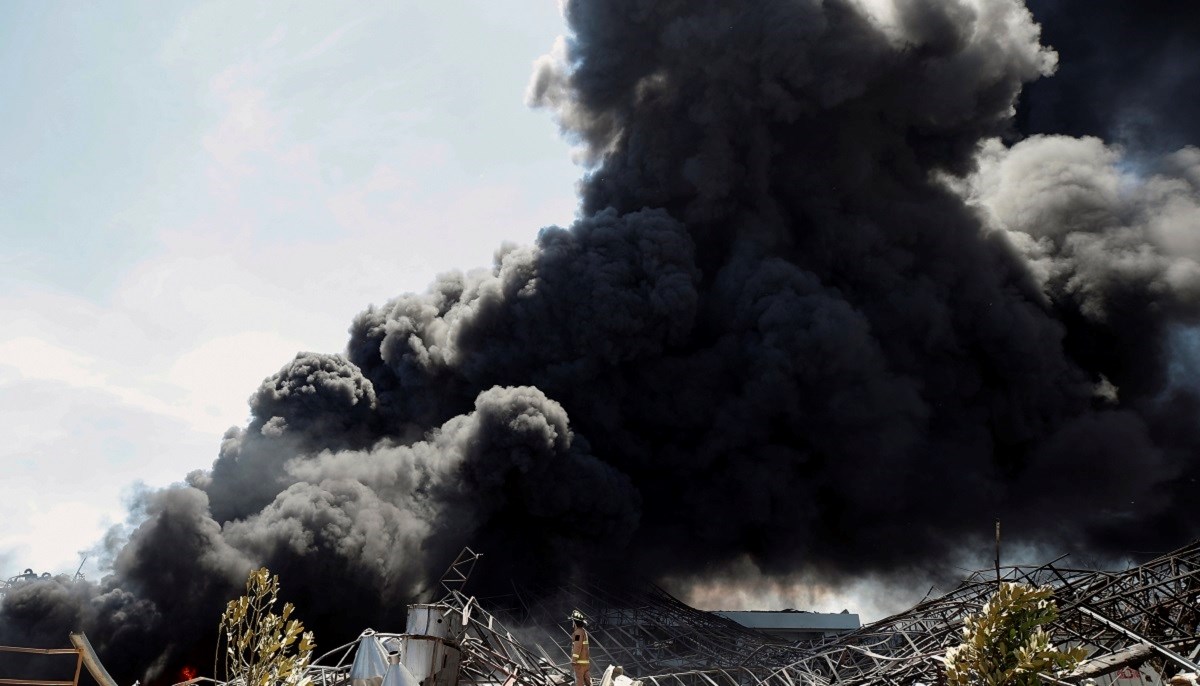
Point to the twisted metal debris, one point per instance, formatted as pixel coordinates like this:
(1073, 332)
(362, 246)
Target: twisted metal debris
(1145, 614)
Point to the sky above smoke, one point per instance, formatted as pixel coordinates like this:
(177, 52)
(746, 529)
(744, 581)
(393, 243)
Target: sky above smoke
(193, 194)
(1128, 73)
(836, 296)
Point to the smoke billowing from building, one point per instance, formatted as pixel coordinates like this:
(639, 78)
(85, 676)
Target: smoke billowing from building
(824, 310)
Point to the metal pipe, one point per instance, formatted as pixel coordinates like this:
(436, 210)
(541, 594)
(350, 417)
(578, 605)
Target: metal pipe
(95, 668)
(1162, 650)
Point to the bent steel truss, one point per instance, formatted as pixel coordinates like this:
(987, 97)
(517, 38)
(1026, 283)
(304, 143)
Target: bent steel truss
(1146, 614)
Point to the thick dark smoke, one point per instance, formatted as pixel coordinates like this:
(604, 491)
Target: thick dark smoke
(814, 316)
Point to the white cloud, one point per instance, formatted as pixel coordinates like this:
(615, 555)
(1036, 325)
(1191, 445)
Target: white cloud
(70, 452)
(53, 540)
(220, 373)
(33, 358)
(247, 125)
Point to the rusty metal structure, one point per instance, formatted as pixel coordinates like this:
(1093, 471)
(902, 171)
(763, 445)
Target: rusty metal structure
(1145, 617)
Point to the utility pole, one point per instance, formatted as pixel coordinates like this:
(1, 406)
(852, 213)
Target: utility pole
(997, 554)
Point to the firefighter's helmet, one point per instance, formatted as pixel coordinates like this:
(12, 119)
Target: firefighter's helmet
(577, 616)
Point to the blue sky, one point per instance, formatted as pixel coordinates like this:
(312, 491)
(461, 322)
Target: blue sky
(192, 193)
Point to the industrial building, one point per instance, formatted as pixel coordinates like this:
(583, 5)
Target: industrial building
(794, 626)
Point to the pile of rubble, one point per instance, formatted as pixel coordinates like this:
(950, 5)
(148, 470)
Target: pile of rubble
(1139, 624)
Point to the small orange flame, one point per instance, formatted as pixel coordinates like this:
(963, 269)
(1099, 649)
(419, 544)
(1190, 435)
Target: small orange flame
(188, 673)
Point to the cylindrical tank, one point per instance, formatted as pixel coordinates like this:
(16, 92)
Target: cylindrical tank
(430, 620)
(431, 661)
(418, 655)
(429, 646)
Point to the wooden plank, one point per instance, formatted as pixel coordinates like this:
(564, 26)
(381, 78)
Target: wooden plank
(38, 651)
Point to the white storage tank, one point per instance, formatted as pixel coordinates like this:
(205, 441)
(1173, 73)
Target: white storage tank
(429, 646)
(430, 620)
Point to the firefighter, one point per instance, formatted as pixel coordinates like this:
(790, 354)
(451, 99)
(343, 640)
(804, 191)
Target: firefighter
(580, 662)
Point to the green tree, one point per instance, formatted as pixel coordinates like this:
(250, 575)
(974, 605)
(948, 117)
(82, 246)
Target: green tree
(261, 647)
(1005, 644)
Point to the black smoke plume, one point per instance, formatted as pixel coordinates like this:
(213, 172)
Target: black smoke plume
(814, 315)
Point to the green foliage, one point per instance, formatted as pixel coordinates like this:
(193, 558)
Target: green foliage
(1005, 644)
(261, 647)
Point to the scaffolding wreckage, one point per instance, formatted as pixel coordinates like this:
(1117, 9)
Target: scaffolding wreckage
(1139, 624)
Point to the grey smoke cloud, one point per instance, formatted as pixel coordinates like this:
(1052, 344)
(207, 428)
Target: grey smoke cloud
(1092, 230)
(1111, 240)
(813, 318)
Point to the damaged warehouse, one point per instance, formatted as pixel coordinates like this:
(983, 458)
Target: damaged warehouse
(820, 303)
(1140, 626)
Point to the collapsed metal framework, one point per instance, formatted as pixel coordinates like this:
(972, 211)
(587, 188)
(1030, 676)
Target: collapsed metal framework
(486, 651)
(1149, 613)
(648, 631)
(1146, 614)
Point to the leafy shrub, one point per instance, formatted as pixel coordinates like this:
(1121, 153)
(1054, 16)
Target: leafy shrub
(261, 647)
(1005, 644)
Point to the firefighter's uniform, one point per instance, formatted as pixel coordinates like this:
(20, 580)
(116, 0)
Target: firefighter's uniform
(580, 661)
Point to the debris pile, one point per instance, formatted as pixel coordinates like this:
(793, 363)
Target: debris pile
(1141, 622)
